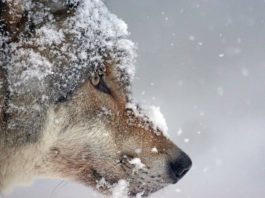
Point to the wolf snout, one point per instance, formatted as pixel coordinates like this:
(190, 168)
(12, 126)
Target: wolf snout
(180, 166)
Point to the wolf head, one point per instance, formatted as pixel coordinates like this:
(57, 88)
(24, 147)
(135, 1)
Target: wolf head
(68, 68)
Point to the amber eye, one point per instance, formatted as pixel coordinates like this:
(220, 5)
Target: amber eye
(97, 80)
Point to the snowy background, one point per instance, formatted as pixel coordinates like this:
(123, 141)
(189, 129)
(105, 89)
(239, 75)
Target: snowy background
(203, 63)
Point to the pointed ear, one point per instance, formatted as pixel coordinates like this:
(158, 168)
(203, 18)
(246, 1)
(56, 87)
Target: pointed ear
(12, 17)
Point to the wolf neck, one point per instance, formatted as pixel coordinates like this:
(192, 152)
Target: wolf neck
(21, 165)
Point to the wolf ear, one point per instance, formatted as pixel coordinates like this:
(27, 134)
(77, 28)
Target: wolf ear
(12, 17)
(61, 6)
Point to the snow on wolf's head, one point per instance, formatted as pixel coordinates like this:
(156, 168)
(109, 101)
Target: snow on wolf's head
(71, 68)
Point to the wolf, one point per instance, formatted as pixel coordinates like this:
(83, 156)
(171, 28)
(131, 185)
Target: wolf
(66, 105)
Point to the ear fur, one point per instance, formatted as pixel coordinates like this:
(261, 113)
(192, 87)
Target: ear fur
(12, 17)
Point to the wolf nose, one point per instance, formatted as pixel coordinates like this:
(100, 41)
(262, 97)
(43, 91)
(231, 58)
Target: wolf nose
(180, 166)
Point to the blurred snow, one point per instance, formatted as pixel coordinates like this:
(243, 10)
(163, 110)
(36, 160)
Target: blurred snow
(226, 133)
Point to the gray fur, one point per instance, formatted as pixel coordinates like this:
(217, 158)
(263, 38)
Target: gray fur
(49, 70)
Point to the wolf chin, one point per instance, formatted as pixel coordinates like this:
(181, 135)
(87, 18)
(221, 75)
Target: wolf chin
(66, 109)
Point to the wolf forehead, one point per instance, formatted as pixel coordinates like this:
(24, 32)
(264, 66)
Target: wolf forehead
(68, 48)
(52, 52)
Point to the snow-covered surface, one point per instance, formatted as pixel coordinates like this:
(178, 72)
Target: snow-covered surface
(154, 150)
(50, 35)
(120, 190)
(150, 113)
(62, 57)
(139, 195)
(98, 34)
(137, 163)
(154, 113)
(102, 183)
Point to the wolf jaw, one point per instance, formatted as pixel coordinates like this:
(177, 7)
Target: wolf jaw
(64, 98)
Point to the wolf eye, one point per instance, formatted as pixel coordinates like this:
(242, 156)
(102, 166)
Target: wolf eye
(97, 80)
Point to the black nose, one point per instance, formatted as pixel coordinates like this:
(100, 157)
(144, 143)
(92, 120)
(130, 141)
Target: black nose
(180, 166)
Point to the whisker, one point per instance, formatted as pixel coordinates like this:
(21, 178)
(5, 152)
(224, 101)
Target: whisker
(61, 184)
